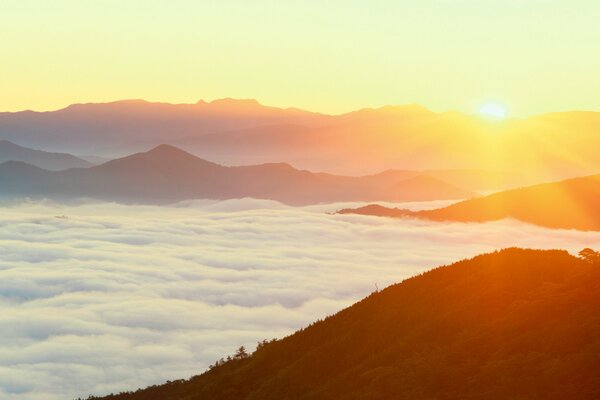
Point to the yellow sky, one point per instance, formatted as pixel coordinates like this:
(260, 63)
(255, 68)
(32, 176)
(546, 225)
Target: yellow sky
(532, 55)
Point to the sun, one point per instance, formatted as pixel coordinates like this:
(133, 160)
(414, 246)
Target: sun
(493, 110)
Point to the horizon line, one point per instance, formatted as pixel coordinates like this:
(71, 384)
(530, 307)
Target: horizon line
(293, 108)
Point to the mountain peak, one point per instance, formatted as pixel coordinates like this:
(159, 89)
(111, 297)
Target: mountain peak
(169, 153)
(164, 148)
(161, 156)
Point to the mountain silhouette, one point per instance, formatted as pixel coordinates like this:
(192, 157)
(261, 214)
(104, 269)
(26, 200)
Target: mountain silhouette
(128, 125)
(236, 132)
(513, 324)
(569, 204)
(167, 174)
(43, 159)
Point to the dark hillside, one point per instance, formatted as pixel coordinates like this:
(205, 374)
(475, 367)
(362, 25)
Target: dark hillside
(514, 324)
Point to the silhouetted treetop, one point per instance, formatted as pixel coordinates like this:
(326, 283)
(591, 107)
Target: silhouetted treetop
(590, 256)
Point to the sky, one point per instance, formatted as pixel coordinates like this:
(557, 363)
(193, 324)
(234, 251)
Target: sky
(334, 56)
(99, 298)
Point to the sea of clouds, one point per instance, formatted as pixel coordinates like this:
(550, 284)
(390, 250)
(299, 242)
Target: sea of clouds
(99, 298)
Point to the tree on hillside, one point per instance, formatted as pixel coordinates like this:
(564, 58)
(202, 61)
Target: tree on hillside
(590, 256)
(240, 353)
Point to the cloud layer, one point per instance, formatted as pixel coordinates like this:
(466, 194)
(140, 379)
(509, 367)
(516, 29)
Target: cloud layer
(98, 298)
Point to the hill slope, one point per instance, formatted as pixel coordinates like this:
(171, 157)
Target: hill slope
(167, 174)
(569, 204)
(42, 159)
(519, 324)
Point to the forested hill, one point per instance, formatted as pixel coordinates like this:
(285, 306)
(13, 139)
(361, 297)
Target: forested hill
(514, 324)
(568, 204)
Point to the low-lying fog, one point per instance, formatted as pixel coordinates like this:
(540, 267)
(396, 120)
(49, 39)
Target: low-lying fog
(99, 298)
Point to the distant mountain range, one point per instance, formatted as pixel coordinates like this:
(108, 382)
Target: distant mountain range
(42, 159)
(569, 204)
(242, 132)
(515, 324)
(167, 174)
(123, 126)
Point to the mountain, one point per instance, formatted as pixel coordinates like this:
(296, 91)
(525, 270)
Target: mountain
(569, 204)
(43, 159)
(234, 132)
(167, 174)
(123, 126)
(514, 324)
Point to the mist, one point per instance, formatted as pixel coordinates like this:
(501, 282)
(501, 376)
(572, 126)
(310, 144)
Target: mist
(99, 297)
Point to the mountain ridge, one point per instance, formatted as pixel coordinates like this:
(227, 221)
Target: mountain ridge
(515, 323)
(568, 204)
(387, 107)
(167, 174)
(355, 143)
(10, 151)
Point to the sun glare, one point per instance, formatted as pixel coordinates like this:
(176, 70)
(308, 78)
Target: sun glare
(493, 110)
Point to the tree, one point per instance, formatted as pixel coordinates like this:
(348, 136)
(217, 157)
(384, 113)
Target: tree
(590, 256)
(240, 353)
(263, 343)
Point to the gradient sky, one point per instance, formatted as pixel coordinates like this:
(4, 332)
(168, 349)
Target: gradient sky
(333, 56)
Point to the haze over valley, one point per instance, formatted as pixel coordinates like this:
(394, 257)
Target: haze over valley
(267, 200)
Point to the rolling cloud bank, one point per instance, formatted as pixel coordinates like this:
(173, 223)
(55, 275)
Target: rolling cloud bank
(98, 298)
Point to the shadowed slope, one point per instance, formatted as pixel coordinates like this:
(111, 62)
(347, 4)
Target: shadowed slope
(519, 324)
(42, 159)
(569, 204)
